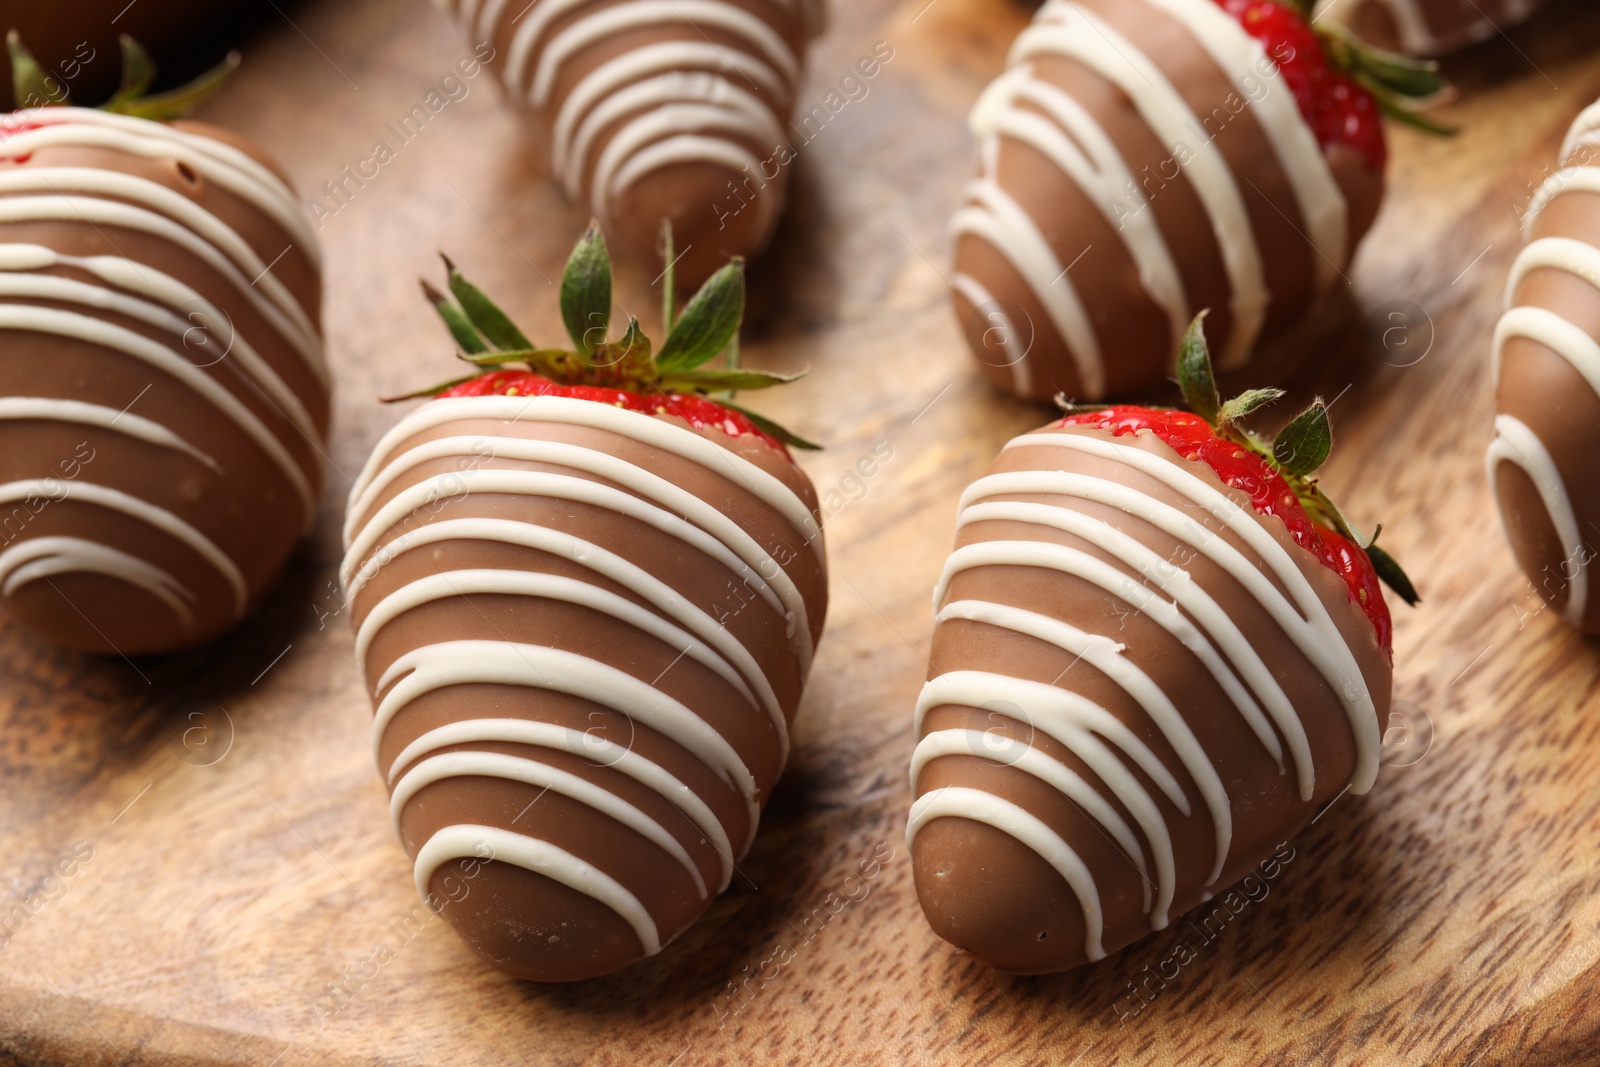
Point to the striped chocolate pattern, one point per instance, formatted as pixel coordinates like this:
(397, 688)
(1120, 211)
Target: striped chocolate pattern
(652, 109)
(1138, 686)
(1064, 178)
(164, 397)
(585, 631)
(1544, 461)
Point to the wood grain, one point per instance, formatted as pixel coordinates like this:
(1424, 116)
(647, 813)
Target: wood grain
(242, 863)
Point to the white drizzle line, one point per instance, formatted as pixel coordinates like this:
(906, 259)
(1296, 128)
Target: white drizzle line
(566, 487)
(591, 747)
(537, 584)
(1566, 339)
(1081, 150)
(1321, 201)
(635, 579)
(1067, 29)
(974, 805)
(1000, 221)
(51, 409)
(1105, 656)
(242, 357)
(646, 429)
(602, 22)
(170, 205)
(713, 97)
(41, 557)
(96, 211)
(1571, 180)
(632, 577)
(219, 164)
(1515, 443)
(540, 775)
(979, 297)
(1119, 583)
(1075, 721)
(108, 335)
(1585, 132)
(450, 663)
(1311, 628)
(732, 546)
(1052, 772)
(1577, 258)
(159, 518)
(464, 840)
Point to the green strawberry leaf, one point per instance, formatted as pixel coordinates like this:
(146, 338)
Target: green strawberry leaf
(180, 102)
(138, 72)
(1390, 573)
(772, 429)
(1304, 444)
(709, 323)
(484, 314)
(468, 340)
(1195, 378)
(732, 380)
(30, 85)
(431, 391)
(586, 292)
(1250, 400)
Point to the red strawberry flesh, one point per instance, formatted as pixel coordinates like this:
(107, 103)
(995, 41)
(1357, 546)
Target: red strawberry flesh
(698, 411)
(1192, 438)
(1338, 110)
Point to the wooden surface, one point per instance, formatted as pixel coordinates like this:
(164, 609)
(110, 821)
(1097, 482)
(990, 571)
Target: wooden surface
(242, 862)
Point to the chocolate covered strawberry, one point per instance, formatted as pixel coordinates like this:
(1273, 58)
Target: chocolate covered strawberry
(586, 594)
(1158, 650)
(1142, 159)
(163, 387)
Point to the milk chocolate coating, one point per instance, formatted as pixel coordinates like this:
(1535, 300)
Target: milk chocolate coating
(1064, 684)
(651, 111)
(1082, 197)
(585, 631)
(1544, 464)
(1427, 27)
(163, 400)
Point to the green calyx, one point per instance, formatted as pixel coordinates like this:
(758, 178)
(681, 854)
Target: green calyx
(1403, 86)
(1296, 453)
(708, 326)
(32, 86)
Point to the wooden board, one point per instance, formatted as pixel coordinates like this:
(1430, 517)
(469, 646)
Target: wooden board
(240, 864)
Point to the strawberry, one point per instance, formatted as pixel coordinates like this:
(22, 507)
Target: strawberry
(1278, 206)
(1141, 686)
(1335, 105)
(587, 589)
(622, 373)
(1277, 474)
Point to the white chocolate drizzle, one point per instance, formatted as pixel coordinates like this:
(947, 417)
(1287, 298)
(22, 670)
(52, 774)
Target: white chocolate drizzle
(398, 506)
(682, 99)
(1515, 441)
(1172, 597)
(198, 348)
(1021, 107)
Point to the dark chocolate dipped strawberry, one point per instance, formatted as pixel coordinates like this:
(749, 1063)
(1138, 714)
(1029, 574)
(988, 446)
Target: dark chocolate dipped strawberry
(586, 593)
(163, 391)
(1158, 649)
(1143, 159)
(646, 111)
